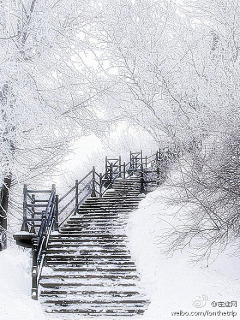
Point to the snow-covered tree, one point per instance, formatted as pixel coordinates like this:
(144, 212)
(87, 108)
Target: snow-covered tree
(46, 90)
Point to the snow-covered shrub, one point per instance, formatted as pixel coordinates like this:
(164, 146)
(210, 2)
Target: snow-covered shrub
(208, 188)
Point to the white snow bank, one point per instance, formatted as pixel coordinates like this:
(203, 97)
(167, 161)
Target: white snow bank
(173, 283)
(15, 284)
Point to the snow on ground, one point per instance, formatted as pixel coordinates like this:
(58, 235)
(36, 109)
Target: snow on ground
(15, 287)
(173, 283)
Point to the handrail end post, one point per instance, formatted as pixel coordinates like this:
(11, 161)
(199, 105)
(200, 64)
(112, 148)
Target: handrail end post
(55, 225)
(34, 293)
(93, 193)
(34, 273)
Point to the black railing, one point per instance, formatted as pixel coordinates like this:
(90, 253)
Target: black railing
(44, 211)
(40, 244)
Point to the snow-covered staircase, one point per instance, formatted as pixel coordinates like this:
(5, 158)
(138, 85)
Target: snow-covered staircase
(88, 269)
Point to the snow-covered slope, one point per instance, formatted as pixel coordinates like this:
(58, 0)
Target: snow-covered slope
(173, 283)
(15, 287)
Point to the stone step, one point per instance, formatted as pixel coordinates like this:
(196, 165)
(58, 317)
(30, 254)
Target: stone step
(113, 200)
(97, 215)
(82, 251)
(120, 191)
(94, 223)
(116, 197)
(103, 301)
(90, 227)
(84, 264)
(85, 221)
(132, 189)
(102, 211)
(91, 233)
(89, 236)
(110, 206)
(98, 222)
(88, 284)
(98, 241)
(88, 257)
(88, 243)
(94, 293)
(101, 311)
(95, 269)
(75, 248)
(88, 276)
(119, 200)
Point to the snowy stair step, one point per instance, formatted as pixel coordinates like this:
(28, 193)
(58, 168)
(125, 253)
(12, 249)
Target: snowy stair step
(92, 311)
(86, 284)
(94, 269)
(88, 263)
(65, 302)
(85, 251)
(87, 294)
(100, 275)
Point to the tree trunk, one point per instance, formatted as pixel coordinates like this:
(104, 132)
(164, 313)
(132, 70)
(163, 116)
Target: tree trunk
(3, 210)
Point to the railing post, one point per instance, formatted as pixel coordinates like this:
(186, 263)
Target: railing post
(141, 163)
(100, 184)
(93, 194)
(158, 173)
(34, 273)
(111, 173)
(24, 224)
(142, 181)
(124, 170)
(158, 167)
(32, 229)
(120, 167)
(56, 214)
(76, 197)
(146, 162)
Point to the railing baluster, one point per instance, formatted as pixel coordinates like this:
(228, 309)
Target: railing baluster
(93, 194)
(32, 229)
(120, 167)
(100, 184)
(76, 197)
(111, 174)
(142, 181)
(24, 224)
(56, 214)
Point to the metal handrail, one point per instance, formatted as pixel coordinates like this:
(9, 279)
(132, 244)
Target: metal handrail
(41, 243)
